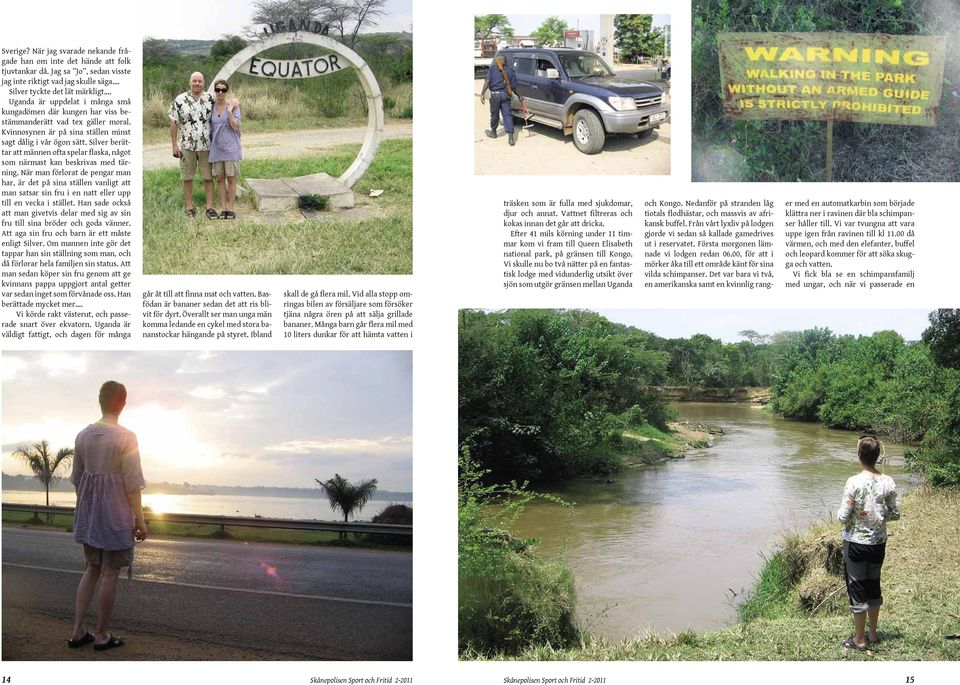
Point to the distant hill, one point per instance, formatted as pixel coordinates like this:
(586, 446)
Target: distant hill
(30, 483)
(189, 47)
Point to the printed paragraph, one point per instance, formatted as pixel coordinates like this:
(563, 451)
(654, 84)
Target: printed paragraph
(65, 323)
(849, 244)
(65, 179)
(708, 244)
(207, 314)
(553, 244)
(347, 314)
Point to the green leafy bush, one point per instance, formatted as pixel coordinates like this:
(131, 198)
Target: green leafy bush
(509, 599)
(396, 514)
(545, 394)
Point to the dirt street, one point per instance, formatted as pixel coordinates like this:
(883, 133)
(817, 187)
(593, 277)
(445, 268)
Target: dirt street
(289, 144)
(542, 150)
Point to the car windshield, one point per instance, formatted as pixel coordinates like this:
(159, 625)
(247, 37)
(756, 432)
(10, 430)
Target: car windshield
(583, 65)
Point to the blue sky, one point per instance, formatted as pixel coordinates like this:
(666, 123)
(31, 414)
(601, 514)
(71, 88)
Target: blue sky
(230, 418)
(727, 323)
(213, 18)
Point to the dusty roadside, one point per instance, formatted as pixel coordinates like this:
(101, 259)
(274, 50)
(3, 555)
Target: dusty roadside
(32, 636)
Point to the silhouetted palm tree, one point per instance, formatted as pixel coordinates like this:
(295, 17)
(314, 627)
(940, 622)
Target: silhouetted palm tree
(347, 496)
(43, 464)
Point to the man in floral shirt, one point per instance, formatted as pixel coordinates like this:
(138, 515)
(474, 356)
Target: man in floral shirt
(190, 136)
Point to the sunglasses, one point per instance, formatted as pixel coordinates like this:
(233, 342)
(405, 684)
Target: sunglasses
(219, 90)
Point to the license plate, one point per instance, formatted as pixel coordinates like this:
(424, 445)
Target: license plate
(658, 117)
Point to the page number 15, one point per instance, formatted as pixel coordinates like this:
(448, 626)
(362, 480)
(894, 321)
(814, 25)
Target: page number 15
(909, 679)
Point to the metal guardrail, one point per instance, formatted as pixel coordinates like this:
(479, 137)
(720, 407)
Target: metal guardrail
(223, 521)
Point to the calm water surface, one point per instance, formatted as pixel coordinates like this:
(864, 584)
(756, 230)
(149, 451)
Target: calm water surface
(221, 505)
(664, 547)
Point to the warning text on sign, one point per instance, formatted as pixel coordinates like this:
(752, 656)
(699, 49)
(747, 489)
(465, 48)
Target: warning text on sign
(875, 78)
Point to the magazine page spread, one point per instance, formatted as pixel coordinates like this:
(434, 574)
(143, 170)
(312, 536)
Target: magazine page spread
(681, 303)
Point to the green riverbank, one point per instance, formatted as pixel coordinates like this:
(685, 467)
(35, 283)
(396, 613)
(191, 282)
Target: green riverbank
(239, 533)
(798, 609)
(647, 444)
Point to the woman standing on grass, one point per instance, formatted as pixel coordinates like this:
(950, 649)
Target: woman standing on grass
(869, 501)
(225, 152)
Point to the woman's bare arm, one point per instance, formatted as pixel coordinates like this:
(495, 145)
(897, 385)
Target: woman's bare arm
(140, 525)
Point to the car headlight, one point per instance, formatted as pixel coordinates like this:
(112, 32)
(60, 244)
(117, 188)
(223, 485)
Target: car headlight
(622, 104)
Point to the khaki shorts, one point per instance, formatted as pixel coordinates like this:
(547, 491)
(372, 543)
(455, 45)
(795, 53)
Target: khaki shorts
(191, 161)
(111, 558)
(225, 168)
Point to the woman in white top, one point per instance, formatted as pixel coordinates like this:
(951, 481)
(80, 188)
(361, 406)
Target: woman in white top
(869, 501)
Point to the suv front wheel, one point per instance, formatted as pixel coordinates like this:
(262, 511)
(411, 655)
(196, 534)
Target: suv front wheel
(588, 133)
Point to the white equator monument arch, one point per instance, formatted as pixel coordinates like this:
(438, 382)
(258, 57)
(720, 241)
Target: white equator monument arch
(281, 194)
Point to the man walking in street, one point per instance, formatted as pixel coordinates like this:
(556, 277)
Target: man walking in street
(499, 81)
(189, 116)
(109, 514)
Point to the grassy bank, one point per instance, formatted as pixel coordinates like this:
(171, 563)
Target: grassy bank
(639, 446)
(509, 597)
(650, 445)
(377, 240)
(798, 609)
(240, 533)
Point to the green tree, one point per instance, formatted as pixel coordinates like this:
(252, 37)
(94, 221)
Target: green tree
(346, 496)
(487, 25)
(43, 464)
(155, 49)
(227, 46)
(508, 597)
(543, 393)
(754, 337)
(550, 32)
(365, 13)
(346, 18)
(801, 378)
(634, 36)
(938, 458)
(943, 337)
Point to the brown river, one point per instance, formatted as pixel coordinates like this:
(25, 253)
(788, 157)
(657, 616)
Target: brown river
(665, 547)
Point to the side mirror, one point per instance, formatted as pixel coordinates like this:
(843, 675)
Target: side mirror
(553, 73)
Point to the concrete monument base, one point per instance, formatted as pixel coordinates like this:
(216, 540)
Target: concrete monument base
(282, 194)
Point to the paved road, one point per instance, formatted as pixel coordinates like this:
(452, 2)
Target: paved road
(545, 150)
(283, 143)
(317, 603)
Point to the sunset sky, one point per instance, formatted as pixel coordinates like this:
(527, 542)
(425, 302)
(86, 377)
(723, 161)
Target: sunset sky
(227, 418)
